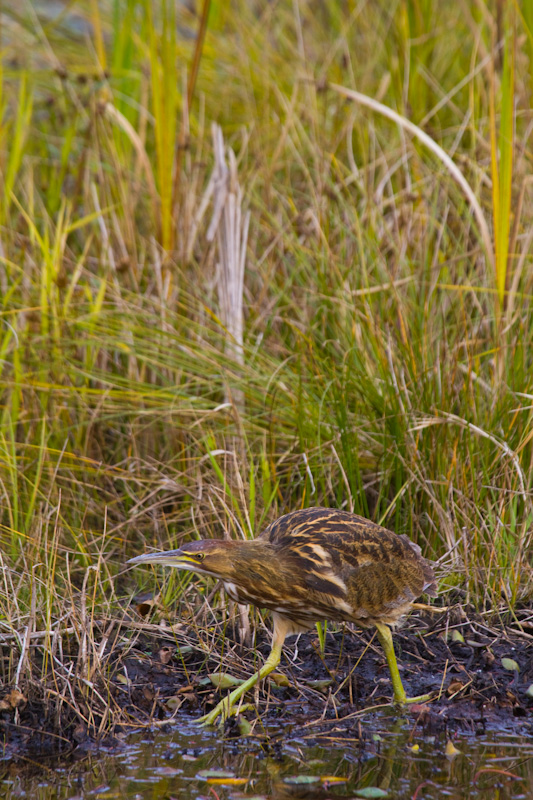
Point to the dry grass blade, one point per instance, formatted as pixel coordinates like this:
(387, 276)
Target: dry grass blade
(438, 151)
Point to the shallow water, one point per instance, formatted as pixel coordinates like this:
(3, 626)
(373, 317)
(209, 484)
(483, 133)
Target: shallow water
(384, 754)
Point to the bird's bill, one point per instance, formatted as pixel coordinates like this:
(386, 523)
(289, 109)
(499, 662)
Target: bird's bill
(168, 558)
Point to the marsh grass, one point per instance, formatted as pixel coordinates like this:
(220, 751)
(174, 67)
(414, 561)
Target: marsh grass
(386, 364)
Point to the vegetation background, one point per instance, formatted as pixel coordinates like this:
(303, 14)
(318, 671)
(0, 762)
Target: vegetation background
(324, 301)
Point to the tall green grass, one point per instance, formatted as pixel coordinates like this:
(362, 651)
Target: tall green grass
(379, 373)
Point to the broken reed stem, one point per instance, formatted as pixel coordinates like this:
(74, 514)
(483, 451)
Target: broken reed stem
(231, 230)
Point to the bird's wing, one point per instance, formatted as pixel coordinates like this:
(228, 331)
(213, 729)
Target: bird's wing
(348, 566)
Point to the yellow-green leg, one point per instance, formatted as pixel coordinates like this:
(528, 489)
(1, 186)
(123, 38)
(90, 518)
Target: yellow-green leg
(385, 637)
(225, 707)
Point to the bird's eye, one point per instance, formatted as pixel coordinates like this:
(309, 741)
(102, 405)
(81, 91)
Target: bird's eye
(200, 556)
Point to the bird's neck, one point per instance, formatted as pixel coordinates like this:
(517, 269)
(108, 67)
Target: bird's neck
(258, 573)
(251, 554)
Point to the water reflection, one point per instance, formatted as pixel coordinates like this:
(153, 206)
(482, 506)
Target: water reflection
(384, 758)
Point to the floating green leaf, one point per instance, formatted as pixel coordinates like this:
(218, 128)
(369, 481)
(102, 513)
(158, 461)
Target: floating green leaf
(224, 681)
(296, 780)
(279, 679)
(245, 727)
(173, 703)
(451, 749)
(214, 773)
(320, 685)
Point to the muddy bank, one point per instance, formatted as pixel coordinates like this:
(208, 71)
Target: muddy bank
(149, 676)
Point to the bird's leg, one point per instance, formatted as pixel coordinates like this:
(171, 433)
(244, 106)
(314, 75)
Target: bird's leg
(385, 637)
(225, 707)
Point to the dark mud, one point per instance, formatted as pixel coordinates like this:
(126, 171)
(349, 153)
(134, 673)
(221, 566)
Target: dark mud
(480, 678)
(475, 691)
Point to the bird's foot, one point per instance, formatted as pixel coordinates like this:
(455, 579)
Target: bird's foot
(223, 710)
(231, 703)
(421, 698)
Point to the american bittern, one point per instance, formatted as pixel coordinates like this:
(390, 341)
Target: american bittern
(311, 565)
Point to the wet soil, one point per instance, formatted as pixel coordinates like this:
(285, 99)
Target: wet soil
(480, 678)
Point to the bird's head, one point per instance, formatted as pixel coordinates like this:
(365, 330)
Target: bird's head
(207, 556)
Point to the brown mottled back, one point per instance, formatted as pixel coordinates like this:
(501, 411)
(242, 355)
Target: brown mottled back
(330, 564)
